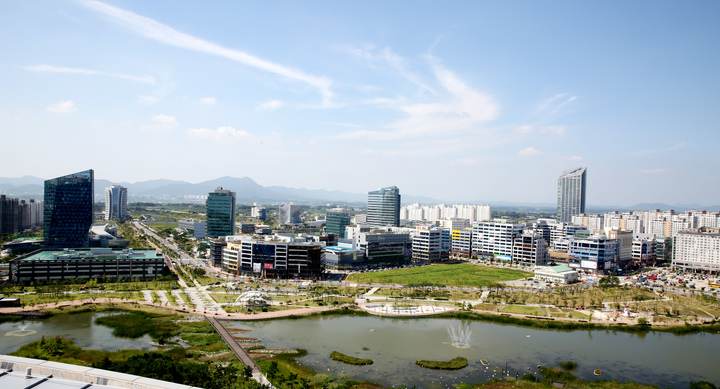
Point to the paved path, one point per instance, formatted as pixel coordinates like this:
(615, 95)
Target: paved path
(148, 295)
(163, 297)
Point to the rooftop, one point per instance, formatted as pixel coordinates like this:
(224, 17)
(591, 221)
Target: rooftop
(92, 253)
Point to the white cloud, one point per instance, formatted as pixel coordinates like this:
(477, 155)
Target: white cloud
(466, 162)
(462, 109)
(269, 106)
(55, 69)
(576, 158)
(529, 152)
(62, 107)
(148, 100)
(655, 171)
(165, 34)
(222, 133)
(553, 130)
(208, 101)
(162, 123)
(525, 129)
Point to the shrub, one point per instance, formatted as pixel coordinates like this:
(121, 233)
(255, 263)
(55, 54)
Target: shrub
(568, 365)
(340, 357)
(453, 364)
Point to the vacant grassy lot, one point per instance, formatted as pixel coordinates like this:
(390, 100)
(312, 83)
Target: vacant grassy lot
(458, 274)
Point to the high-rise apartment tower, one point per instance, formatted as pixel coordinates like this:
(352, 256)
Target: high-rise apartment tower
(571, 194)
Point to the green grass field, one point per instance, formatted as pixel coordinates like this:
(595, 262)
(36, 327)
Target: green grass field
(457, 274)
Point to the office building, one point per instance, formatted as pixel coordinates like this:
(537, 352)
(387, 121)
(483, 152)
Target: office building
(220, 209)
(335, 223)
(273, 259)
(596, 254)
(258, 212)
(494, 239)
(116, 203)
(530, 249)
(427, 244)
(9, 215)
(68, 209)
(384, 207)
(571, 194)
(196, 226)
(462, 242)
(289, 214)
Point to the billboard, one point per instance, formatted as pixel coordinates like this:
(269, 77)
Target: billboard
(267, 265)
(256, 267)
(499, 257)
(588, 265)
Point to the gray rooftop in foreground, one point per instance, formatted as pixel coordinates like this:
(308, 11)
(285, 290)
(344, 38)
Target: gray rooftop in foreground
(55, 375)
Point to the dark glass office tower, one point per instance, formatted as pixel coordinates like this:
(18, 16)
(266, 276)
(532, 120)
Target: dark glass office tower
(220, 210)
(68, 210)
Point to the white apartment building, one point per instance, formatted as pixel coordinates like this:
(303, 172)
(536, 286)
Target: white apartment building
(697, 250)
(471, 212)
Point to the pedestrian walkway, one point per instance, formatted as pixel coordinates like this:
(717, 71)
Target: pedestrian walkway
(147, 294)
(163, 298)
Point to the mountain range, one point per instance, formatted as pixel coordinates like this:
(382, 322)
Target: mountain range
(248, 191)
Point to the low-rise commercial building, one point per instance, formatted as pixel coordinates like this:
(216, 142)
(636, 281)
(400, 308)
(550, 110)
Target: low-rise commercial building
(49, 264)
(273, 259)
(559, 274)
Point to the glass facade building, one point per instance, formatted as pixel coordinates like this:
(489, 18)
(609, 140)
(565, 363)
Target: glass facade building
(384, 207)
(335, 223)
(571, 194)
(220, 208)
(68, 210)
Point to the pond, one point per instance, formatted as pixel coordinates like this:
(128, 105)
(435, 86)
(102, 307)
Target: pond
(394, 345)
(79, 327)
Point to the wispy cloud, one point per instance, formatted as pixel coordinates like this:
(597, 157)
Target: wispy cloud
(668, 146)
(162, 123)
(529, 152)
(165, 34)
(208, 101)
(62, 107)
(465, 162)
(269, 106)
(655, 171)
(555, 105)
(56, 69)
(462, 108)
(222, 133)
(375, 56)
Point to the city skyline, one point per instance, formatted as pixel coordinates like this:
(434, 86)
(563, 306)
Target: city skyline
(489, 99)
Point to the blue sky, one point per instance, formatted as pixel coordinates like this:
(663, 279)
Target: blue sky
(461, 101)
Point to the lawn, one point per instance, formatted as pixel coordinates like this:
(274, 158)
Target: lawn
(523, 309)
(457, 274)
